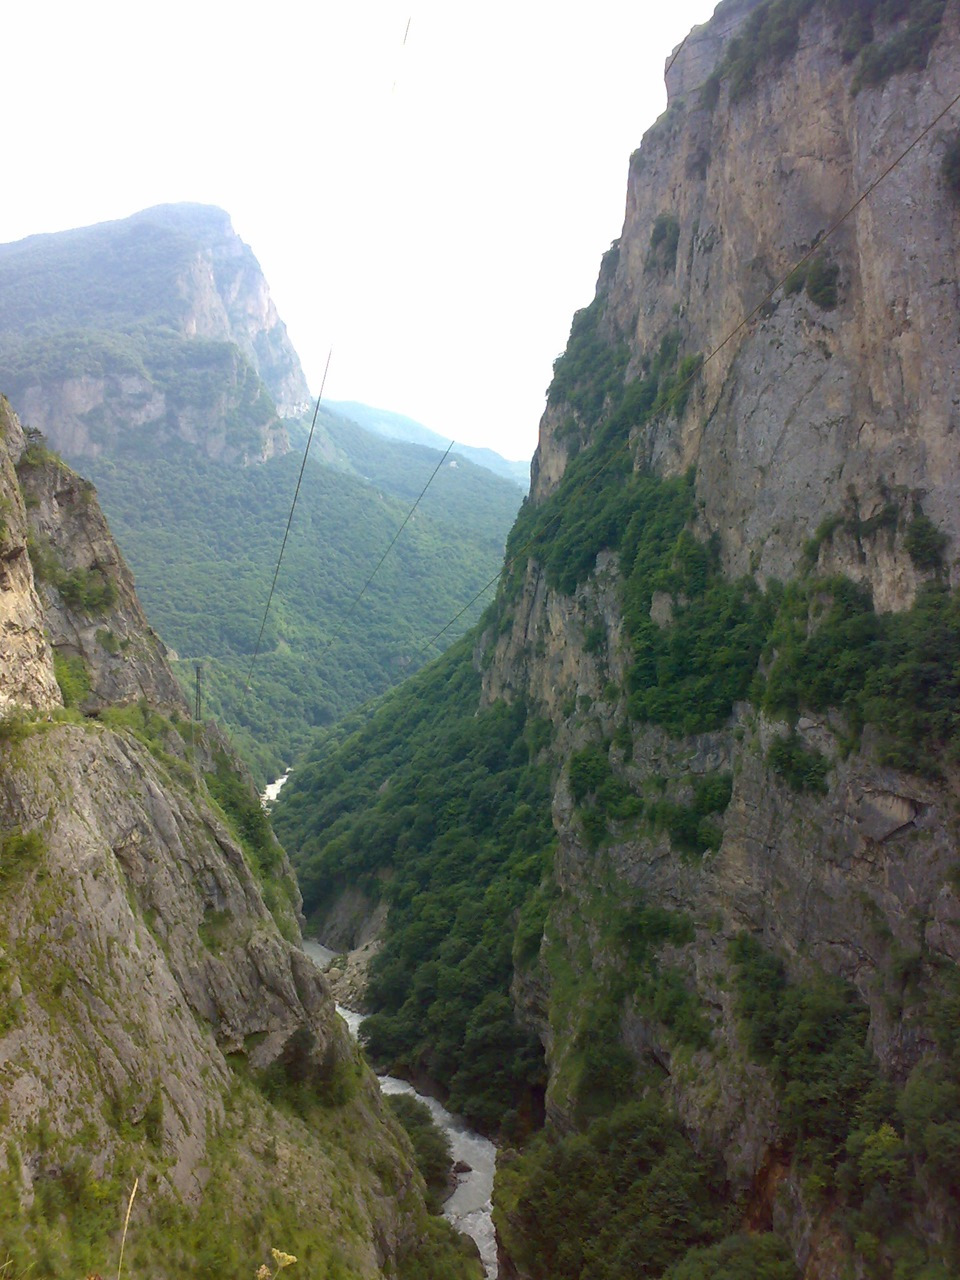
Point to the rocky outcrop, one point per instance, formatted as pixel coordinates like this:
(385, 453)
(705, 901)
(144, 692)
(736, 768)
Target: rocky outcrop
(164, 334)
(88, 416)
(803, 412)
(91, 608)
(27, 678)
(229, 300)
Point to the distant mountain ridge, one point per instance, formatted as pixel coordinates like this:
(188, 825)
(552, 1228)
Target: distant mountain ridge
(149, 353)
(394, 426)
(159, 326)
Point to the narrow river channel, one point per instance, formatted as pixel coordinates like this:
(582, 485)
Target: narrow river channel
(468, 1209)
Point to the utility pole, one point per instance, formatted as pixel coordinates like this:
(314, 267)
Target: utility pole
(197, 705)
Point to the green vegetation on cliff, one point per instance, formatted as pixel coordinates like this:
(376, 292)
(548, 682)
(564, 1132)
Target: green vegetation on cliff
(625, 1198)
(871, 1150)
(443, 812)
(431, 1146)
(883, 37)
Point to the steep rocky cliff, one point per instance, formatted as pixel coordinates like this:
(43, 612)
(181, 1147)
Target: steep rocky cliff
(811, 412)
(27, 660)
(158, 1019)
(728, 628)
(146, 332)
(839, 402)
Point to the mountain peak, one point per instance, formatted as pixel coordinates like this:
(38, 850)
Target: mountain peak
(151, 327)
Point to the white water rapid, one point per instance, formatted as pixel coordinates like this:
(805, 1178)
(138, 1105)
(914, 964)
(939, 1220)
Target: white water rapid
(468, 1209)
(274, 789)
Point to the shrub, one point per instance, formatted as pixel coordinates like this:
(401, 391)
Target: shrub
(907, 50)
(591, 367)
(87, 589)
(710, 91)
(753, 1257)
(622, 1201)
(822, 277)
(925, 543)
(589, 770)
(73, 678)
(813, 1038)
(771, 35)
(675, 1003)
(303, 1077)
(91, 590)
(795, 280)
(693, 828)
(599, 793)
(20, 852)
(804, 768)
(664, 239)
(431, 1146)
(950, 165)
(236, 796)
(109, 641)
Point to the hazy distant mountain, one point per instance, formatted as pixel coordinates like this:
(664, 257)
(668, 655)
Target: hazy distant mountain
(394, 426)
(144, 331)
(149, 353)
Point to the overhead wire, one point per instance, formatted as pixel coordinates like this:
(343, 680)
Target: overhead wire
(286, 534)
(406, 520)
(747, 319)
(367, 584)
(296, 494)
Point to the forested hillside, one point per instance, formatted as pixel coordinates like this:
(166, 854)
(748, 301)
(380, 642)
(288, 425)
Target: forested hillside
(394, 426)
(149, 352)
(684, 804)
(203, 540)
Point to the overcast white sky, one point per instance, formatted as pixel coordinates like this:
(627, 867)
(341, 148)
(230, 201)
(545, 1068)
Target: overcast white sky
(434, 210)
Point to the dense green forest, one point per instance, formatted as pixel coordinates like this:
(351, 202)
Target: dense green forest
(443, 811)
(203, 539)
(109, 277)
(456, 805)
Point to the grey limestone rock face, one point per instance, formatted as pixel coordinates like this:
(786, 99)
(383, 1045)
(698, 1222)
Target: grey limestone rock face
(124, 658)
(150, 973)
(133, 875)
(805, 417)
(25, 659)
(803, 413)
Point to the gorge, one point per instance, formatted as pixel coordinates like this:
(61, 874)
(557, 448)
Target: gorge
(667, 846)
(660, 854)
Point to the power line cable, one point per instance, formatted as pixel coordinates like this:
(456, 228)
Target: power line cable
(831, 230)
(286, 535)
(293, 505)
(410, 513)
(406, 520)
(539, 534)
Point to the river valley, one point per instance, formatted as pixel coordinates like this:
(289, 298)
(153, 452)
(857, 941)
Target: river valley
(468, 1208)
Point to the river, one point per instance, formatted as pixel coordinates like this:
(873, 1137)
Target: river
(468, 1209)
(273, 789)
